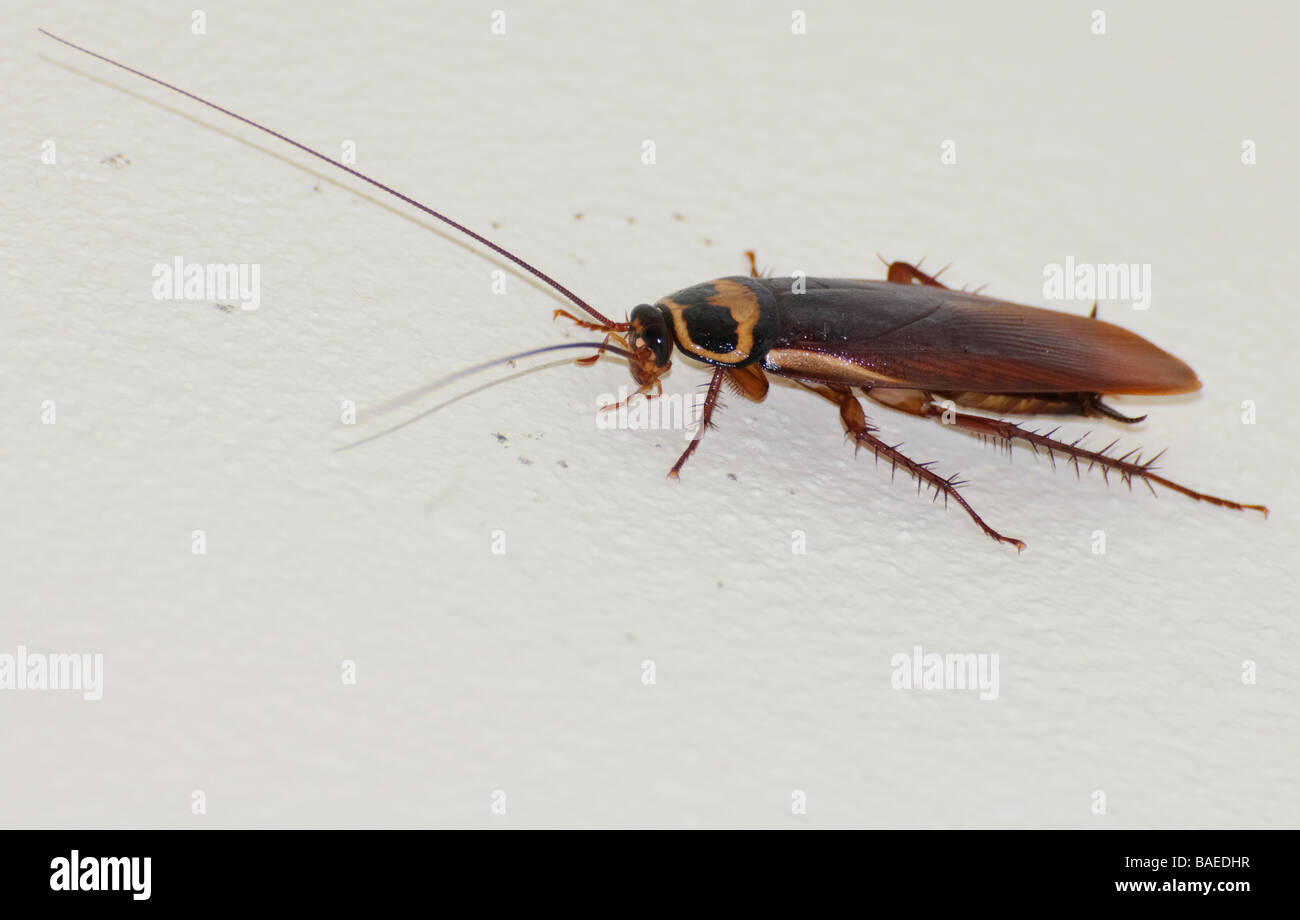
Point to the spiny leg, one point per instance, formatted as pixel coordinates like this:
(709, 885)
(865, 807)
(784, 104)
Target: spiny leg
(748, 381)
(906, 273)
(864, 435)
(753, 266)
(706, 420)
(1091, 404)
(1127, 469)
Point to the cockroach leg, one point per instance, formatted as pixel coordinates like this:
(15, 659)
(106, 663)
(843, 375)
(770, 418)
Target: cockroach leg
(1127, 469)
(643, 392)
(1086, 404)
(748, 381)
(592, 359)
(864, 435)
(753, 266)
(913, 402)
(706, 420)
(906, 273)
(585, 324)
(1091, 404)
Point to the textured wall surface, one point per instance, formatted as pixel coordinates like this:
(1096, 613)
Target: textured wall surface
(643, 652)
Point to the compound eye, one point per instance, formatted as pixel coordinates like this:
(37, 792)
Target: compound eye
(649, 329)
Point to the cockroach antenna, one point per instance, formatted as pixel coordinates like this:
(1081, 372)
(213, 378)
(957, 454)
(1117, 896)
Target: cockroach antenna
(424, 390)
(537, 273)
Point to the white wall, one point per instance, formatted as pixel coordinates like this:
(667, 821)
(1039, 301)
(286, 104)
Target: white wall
(522, 672)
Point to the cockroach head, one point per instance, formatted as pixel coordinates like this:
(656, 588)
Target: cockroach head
(646, 340)
(650, 339)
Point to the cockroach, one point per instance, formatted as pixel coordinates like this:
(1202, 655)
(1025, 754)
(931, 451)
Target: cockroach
(908, 343)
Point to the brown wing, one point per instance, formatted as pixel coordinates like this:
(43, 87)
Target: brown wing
(893, 335)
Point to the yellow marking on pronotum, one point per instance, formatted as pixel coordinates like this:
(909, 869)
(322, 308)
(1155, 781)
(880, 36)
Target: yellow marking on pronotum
(745, 310)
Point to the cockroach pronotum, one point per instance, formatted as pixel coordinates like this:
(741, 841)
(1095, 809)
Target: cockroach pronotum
(908, 343)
